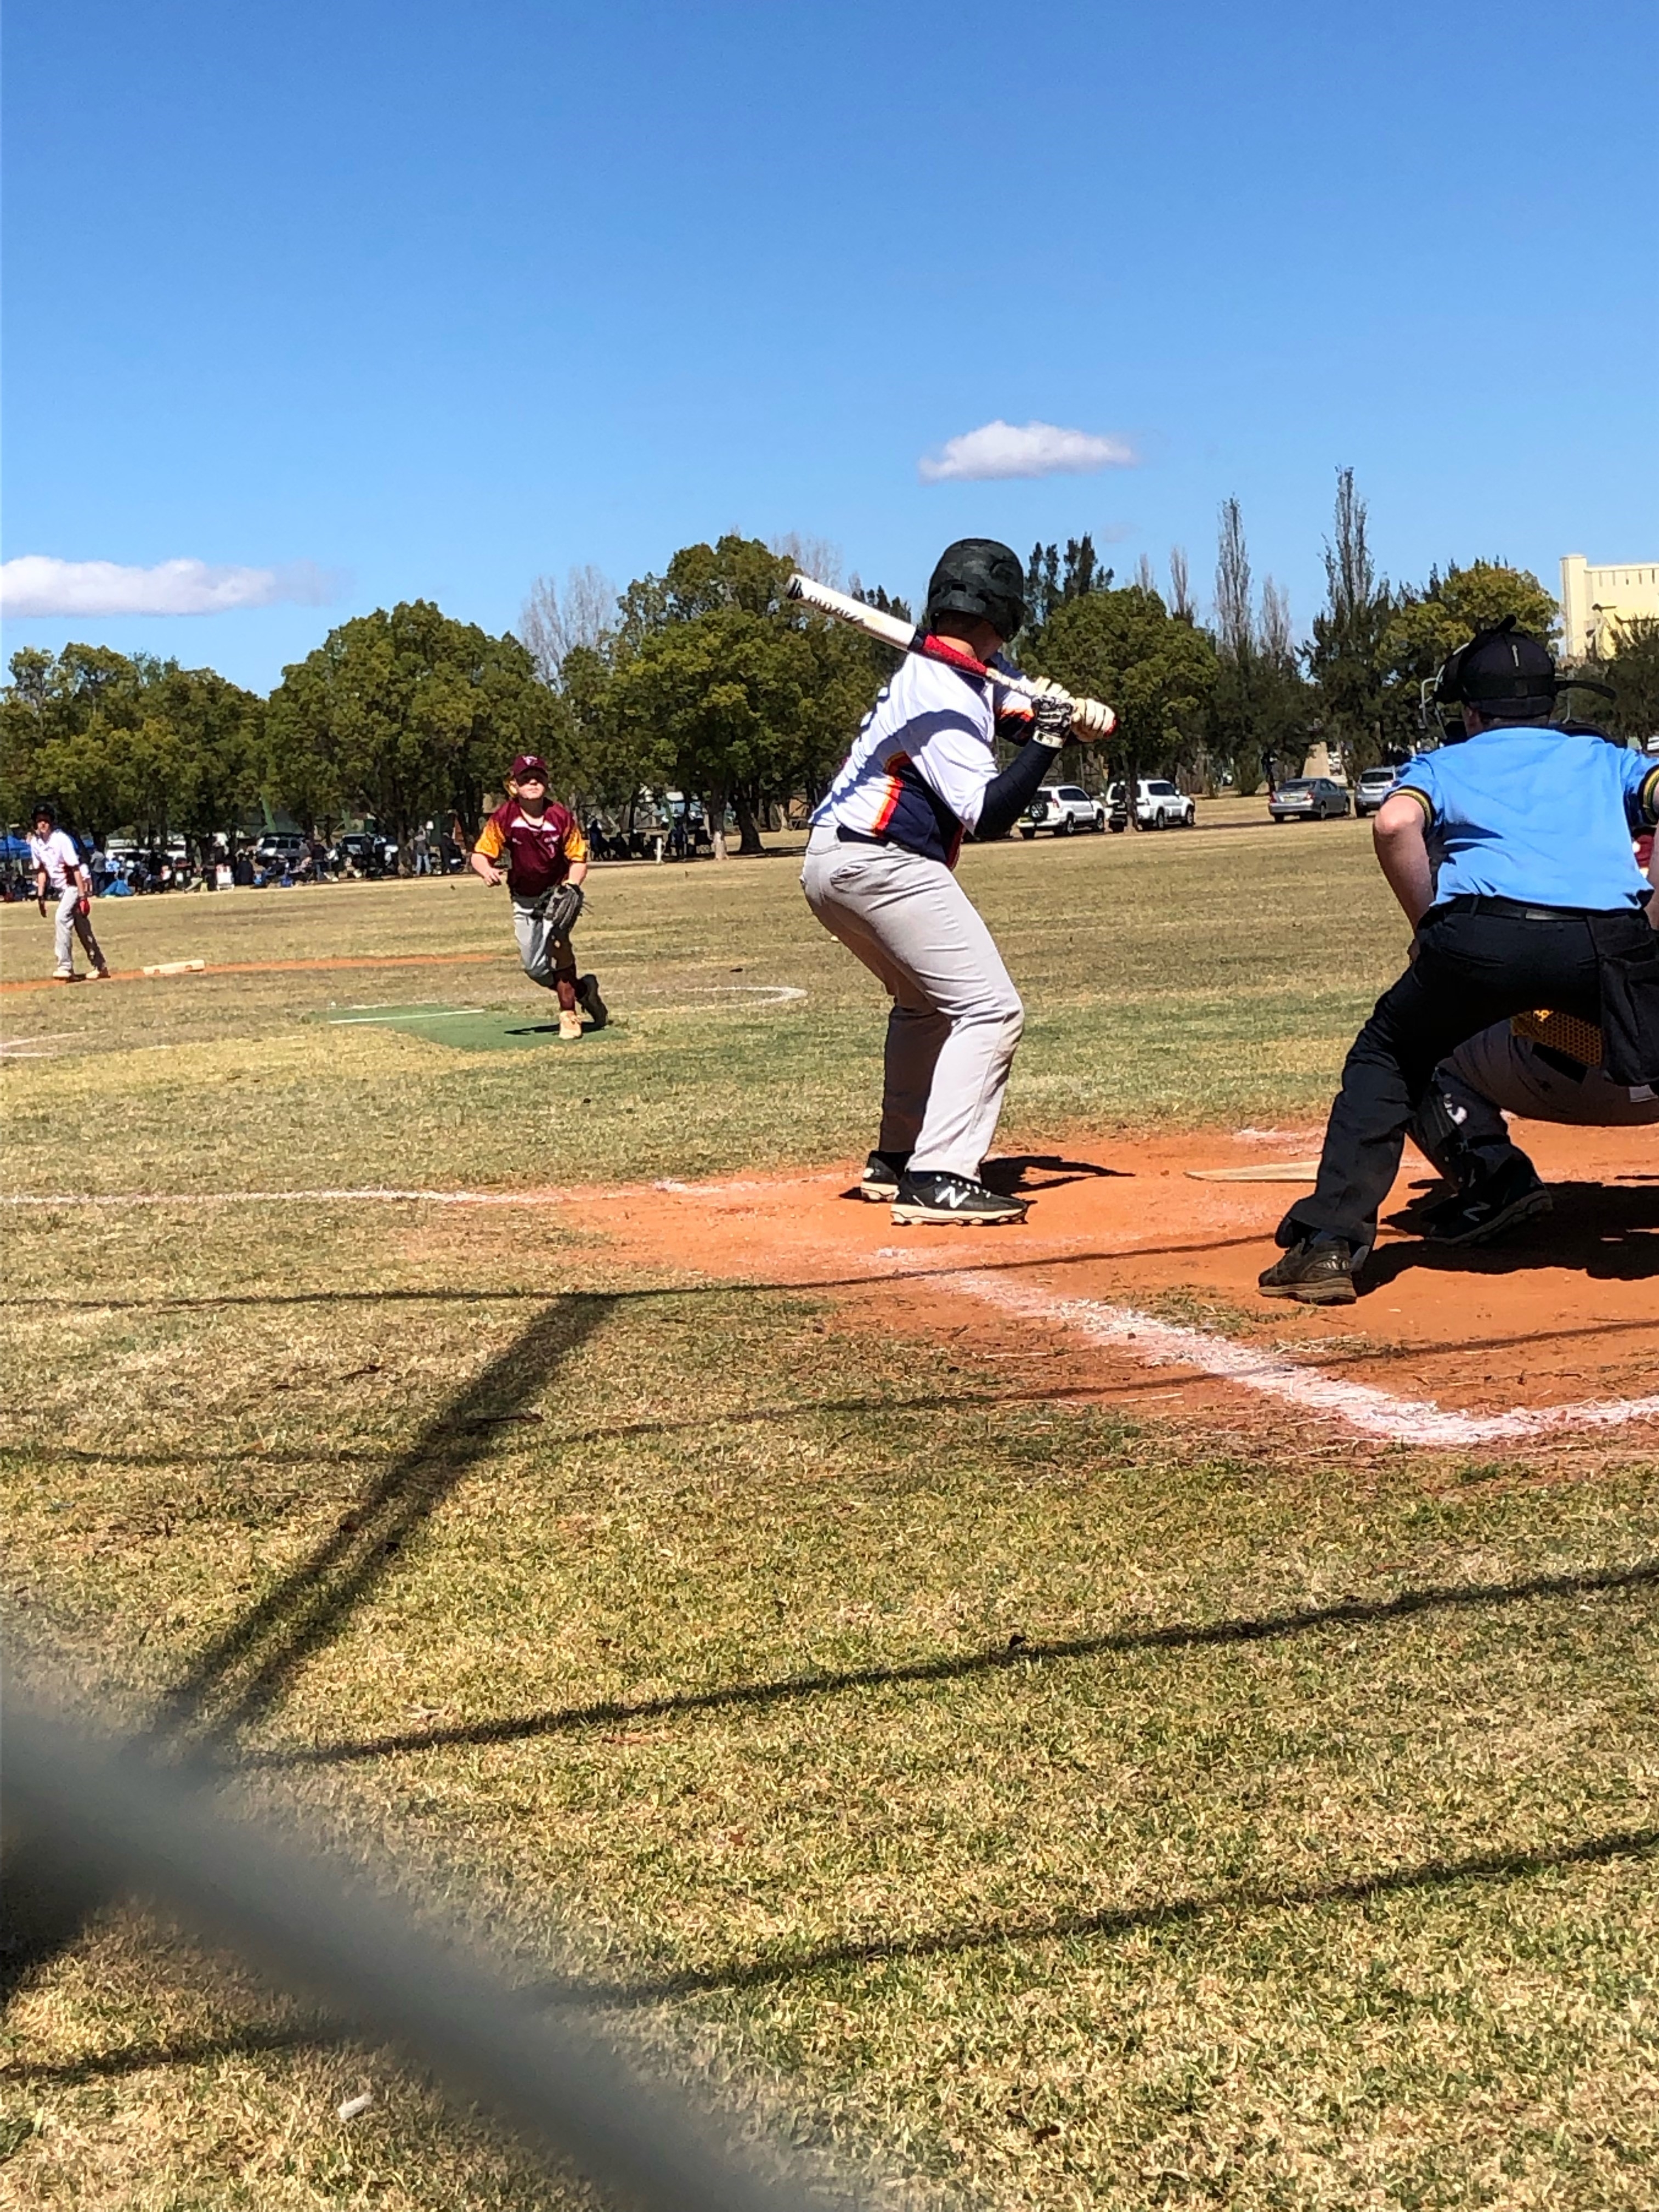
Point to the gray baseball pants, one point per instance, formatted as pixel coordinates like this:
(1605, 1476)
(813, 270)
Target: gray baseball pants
(1461, 1125)
(544, 955)
(956, 1017)
(69, 923)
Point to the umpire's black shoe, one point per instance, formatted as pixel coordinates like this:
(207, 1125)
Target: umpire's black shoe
(1314, 1274)
(954, 1198)
(1487, 1209)
(882, 1174)
(587, 998)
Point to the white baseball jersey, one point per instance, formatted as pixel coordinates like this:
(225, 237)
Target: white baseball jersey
(58, 855)
(917, 772)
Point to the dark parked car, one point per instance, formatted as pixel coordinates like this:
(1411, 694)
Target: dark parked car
(1308, 799)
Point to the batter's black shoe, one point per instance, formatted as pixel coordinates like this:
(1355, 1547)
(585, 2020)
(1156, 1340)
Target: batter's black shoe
(882, 1174)
(1487, 1210)
(589, 998)
(1313, 1274)
(955, 1198)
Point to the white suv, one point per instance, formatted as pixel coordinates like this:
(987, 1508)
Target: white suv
(1063, 808)
(1158, 806)
(1373, 788)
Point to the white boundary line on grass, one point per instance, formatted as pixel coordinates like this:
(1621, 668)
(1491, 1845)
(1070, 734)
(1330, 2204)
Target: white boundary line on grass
(1309, 1389)
(381, 1196)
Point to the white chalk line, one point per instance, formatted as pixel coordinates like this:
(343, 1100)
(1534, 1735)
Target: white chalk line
(1374, 1412)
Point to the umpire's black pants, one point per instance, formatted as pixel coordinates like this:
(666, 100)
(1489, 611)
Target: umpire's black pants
(1479, 961)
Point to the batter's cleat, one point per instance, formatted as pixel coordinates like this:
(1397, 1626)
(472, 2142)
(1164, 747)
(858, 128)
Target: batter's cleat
(570, 1023)
(883, 1172)
(1313, 1274)
(1487, 1210)
(953, 1198)
(587, 998)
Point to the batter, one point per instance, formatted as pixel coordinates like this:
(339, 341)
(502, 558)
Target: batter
(922, 774)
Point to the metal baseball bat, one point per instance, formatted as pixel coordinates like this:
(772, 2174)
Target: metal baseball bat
(1088, 714)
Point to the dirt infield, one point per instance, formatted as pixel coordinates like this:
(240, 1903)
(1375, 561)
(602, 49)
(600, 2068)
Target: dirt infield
(1139, 1281)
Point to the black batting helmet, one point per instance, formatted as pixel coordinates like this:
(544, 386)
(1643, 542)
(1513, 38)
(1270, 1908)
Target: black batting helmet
(979, 576)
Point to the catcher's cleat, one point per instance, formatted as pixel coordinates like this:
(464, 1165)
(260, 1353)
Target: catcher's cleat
(1314, 1274)
(587, 997)
(882, 1174)
(1478, 1215)
(953, 1198)
(570, 1023)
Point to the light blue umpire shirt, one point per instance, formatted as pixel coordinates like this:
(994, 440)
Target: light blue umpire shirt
(1535, 814)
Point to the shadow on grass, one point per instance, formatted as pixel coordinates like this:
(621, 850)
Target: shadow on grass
(243, 1670)
(201, 2050)
(1115, 1920)
(1180, 1636)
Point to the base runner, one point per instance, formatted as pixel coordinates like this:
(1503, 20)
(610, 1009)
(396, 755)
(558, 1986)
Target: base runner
(58, 869)
(544, 857)
(921, 775)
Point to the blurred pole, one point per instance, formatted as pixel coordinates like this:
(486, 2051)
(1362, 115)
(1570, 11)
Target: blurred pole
(100, 1818)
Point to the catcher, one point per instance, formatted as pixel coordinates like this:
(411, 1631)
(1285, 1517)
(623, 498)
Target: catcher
(545, 860)
(1545, 1067)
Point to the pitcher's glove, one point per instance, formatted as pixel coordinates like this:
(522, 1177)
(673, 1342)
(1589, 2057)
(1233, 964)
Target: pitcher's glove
(1052, 713)
(561, 908)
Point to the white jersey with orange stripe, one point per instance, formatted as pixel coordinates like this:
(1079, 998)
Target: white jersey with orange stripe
(917, 773)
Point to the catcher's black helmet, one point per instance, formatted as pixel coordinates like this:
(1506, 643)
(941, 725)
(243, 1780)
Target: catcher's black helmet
(979, 576)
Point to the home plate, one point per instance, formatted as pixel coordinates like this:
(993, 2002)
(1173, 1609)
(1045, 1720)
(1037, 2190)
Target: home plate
(1260, 1172)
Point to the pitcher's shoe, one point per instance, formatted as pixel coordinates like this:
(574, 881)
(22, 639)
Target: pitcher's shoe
(953, 1198)
(1314, 1274)
(1476, 1216)
(570, 1023)
(587, 997)
(882, 1174)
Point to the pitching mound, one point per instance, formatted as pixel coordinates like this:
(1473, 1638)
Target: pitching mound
(1134, 1280)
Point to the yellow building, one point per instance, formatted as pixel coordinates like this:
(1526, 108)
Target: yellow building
(1594, 601)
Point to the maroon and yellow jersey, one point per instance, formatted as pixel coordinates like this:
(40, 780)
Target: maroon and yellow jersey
(537, 852)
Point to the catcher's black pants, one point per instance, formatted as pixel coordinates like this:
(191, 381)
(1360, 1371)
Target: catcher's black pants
(1473, 967)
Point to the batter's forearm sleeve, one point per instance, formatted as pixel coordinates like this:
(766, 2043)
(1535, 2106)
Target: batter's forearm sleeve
(1008, 795)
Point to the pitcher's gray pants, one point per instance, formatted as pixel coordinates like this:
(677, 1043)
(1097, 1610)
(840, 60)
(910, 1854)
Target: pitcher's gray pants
(544, 957)
(956, 1017)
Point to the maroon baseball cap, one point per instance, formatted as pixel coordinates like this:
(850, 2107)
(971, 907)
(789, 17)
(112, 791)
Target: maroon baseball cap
(528, 764)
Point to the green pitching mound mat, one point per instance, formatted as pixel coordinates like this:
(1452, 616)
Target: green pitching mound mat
(463, 1029)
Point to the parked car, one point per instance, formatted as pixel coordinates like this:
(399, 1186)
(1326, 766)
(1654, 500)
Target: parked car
(1062, 808)
(1373, 788)
(285, 845)
(1158, 806)
(1308, 799)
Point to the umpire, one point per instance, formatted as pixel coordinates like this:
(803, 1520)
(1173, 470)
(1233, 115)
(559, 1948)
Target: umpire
(1538, 903)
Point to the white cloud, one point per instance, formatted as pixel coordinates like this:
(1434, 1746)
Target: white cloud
(1040, 449)
(36, 584)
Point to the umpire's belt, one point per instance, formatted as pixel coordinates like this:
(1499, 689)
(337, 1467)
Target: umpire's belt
(1517, 910)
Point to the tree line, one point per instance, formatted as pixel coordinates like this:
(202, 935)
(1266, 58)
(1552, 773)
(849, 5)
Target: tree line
(707, 680)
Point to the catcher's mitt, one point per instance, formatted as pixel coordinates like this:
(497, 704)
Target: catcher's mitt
(560, 908)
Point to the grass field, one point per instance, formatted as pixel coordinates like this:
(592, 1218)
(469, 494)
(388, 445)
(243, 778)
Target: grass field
(1080, 1814)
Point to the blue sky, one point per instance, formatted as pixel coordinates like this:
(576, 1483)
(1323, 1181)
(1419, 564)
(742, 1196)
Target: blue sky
(424, 300)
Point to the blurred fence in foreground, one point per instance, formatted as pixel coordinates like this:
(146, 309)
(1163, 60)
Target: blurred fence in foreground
(99, 1820)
